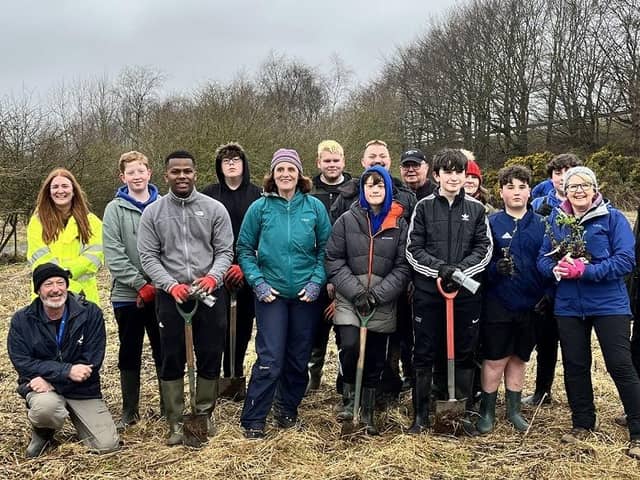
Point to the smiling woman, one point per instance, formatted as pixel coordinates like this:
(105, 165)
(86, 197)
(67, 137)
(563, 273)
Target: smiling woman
(64, 232)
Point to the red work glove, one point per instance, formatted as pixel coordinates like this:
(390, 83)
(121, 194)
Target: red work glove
(234, 276)
(180, 292)
(206, 284)
(147, 293)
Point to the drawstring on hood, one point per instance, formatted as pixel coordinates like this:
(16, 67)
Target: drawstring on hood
(123, 192)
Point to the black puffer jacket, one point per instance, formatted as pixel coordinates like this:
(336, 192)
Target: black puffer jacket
(356, 260)
(350, 191)
(457, 235)
(34, 352)
(327, 194)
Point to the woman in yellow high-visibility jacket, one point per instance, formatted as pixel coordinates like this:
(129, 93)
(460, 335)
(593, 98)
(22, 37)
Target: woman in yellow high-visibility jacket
(64, 232)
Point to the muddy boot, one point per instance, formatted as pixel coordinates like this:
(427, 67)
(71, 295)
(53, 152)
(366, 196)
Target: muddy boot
(173, 394)
(40, 440)
(348, 403)
(420, 395)
(130, 386)
(206, 397)
(316, 362)
(464, 390)
(487, 418)
(368, 410)
(514, 416)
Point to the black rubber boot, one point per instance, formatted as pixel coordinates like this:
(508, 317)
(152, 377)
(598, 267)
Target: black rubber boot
(367, 410)
(348, 403)
(464, 390)
(514, 416)
(130, 386)
(316, 363)
(206, 397)
(487, 418)
(421, 397)
(40, 441)
(173, 394)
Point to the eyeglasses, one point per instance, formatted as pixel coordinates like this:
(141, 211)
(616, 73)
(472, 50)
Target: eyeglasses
(410, 166)
(231, 161)
(579, 186)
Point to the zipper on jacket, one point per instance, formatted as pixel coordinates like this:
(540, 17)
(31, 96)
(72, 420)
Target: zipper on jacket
(184, 240)
(449, 234)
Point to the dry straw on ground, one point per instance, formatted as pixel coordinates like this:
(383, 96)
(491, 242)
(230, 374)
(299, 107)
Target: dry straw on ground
(316, 452)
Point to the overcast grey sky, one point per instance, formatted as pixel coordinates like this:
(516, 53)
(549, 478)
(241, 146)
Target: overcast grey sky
(44, 43)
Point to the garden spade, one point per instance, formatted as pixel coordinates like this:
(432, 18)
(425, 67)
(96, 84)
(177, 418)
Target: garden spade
(349, 428)
(234, 388)
(448, 411)
(195, 426)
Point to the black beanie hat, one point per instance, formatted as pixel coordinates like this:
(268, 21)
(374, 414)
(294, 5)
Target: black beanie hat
(47, 270)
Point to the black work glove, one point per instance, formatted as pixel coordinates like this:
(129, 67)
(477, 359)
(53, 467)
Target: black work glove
(445, 272)
(544, 210)
(362, 305)
(505, 267)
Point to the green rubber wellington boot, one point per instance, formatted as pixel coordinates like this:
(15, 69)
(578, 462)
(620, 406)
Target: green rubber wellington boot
(487, 412)
(514, 415)
(173, 395)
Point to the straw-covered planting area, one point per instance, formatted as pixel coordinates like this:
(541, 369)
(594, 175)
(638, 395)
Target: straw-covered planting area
(316, 451)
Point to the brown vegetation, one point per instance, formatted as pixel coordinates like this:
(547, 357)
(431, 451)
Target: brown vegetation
(316, 452)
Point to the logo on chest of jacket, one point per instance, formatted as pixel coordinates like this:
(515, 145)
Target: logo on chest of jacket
(506, 235)
(386, 238)
(199, 213)
(81, 340)
(465, 217)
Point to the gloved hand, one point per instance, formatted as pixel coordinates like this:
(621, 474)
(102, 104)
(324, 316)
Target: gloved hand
(265, 293)
(180, 292)
(205, 284)
(505, 267)
(310, 292)
(234, 277)
(362, 305)
(329, 312)
(445, 272)
(147, 293)
(575, 269)
(545, 209)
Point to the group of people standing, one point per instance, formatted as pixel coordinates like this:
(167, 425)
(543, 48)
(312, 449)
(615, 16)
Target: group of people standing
(300, 250)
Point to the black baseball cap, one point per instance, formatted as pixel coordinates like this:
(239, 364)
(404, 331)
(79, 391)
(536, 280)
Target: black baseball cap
(412, 156)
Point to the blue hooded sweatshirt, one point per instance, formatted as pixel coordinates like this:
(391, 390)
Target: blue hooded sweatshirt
(377, 219)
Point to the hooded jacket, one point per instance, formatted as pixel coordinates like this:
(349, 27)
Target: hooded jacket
(235, 201)
(282, 242)
(456, 234)
(601, 290)
(523, 239)
(119, 237)
(350, 191)
(359, 260)
(67, 251)
(34, 352)
(182, 239)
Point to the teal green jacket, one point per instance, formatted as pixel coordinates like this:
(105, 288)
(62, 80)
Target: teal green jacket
(283, 242)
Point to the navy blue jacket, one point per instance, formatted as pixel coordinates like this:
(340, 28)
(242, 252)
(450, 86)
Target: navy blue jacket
(34, 352)
(549, 199)
(601, 290)
(522, 290)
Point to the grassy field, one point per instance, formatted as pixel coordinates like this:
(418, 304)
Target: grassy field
(316, 452)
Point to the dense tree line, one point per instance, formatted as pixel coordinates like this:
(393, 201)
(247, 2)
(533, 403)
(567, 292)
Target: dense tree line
(504, 78)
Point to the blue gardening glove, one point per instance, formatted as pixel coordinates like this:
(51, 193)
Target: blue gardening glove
(265, 293)
(310, 292)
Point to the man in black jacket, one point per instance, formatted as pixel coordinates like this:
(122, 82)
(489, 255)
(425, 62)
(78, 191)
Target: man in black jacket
(326, 188)
(449, 231)
(236, 192)
(415, 172)
(57, 345)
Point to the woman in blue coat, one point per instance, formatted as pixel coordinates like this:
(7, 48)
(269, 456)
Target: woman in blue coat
(588, 249)
(280, 250)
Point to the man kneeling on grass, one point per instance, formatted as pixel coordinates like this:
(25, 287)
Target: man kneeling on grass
(57, 345)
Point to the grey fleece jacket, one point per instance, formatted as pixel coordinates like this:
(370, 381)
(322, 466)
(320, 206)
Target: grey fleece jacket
(119, 232)
(182, 239)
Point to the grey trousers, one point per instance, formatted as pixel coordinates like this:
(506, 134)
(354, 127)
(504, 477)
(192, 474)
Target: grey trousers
(91, 418)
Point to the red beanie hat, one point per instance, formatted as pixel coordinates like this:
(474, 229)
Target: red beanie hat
(474, 169)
